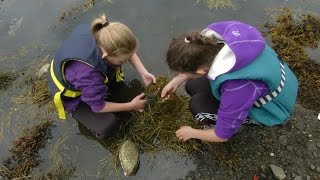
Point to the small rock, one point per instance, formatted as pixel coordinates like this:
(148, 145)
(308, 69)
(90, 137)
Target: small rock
(129, 157)
(198, 175)
(43, 70)
(264, 168)
(298, 178)
(263, 175)
(283, 140)
(277, 172)
(315, 154)
(312, 167)
(290, 148)
(318, 144)
(271, 154)
(318, 169)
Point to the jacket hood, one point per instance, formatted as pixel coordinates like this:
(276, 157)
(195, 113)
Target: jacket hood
(243, 44)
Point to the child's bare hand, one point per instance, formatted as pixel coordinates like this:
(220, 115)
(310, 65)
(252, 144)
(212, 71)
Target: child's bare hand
(169, 88)
(138, 102)
(185, 133)
(148, 78)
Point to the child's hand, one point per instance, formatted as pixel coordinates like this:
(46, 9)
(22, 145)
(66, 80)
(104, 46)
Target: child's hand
(173, 85)
(148, 78)
(185, 133)
(169, 88)
(138, 103)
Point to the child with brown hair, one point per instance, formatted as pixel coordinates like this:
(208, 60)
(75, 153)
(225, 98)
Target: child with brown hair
(233, 78)
(86, 65)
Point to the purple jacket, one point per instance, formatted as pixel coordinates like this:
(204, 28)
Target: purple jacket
(91, 84)
(243, 44)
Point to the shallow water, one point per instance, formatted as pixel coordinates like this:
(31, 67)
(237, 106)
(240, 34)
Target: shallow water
(31, 31)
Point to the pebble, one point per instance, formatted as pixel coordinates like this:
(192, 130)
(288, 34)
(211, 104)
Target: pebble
(290, 148)
(283, 140)
(298, 178)
(312, 167)
(263, 175)
(198, 175)
(314, 154)
(271, 154)
(43, 70)
(264, 168)
(318, 169)
(278, 172)
(318, 145)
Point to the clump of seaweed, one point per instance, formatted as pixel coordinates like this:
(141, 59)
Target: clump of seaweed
(218, 3)
(62, 171)
(76, 11)
(291, 33)
(24, 152)
(154, 129)
(39, 92)
(6, 80)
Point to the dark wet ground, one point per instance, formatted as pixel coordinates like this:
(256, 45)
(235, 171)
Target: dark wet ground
(31, 31)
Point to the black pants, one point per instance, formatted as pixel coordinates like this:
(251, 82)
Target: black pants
(106, 124)
(203, 105)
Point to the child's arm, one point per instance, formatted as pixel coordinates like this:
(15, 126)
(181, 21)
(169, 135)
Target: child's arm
(174, 84)
(137, 104)
(145, 75)
(186, 132)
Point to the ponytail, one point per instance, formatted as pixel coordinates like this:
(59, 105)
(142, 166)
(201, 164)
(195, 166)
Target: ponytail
(114, 37)
(191, 51)
(99, 23)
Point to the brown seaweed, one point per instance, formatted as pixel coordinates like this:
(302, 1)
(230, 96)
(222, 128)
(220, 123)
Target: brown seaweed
(291, 33)
(24, 152)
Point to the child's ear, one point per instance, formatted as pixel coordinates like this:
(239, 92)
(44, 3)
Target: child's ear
(201, 71)
(104, 54)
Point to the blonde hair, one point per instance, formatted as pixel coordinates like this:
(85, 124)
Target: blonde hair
(114, 37)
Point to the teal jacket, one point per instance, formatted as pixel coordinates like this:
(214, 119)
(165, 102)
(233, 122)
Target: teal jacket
(276, 107)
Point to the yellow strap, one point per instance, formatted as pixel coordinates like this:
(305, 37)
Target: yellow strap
(67, 93)
(59, 106)
(119, 75)
(106, 80)
(57, 97)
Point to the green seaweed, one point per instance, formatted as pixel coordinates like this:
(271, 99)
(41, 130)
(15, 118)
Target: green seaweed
(154, 129)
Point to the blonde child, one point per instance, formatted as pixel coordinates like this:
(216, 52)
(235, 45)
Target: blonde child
(86, 65)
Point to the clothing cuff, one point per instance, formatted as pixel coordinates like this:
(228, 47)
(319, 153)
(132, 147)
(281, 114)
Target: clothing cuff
(223, 133)
(98, 108)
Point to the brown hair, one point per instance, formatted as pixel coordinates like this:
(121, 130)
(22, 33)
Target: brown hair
(114, 37)
(199, 51)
